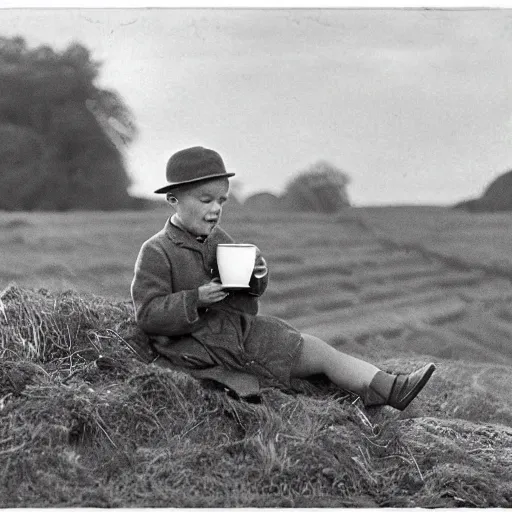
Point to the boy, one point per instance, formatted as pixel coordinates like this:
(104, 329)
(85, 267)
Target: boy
(215, 333)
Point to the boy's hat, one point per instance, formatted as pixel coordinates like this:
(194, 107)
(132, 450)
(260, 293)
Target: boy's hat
(191, 165)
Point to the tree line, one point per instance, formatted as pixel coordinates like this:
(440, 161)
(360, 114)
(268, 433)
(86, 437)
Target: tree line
(61, 138)
(55, 153)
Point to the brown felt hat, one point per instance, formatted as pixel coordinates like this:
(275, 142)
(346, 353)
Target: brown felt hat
(191, 165)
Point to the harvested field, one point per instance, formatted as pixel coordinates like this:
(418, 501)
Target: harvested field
(85, 422)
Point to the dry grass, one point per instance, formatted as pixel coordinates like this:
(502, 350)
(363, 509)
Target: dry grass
(85, 422)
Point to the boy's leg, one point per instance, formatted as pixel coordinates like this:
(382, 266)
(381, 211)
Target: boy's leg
(376, 387)
(345, 371)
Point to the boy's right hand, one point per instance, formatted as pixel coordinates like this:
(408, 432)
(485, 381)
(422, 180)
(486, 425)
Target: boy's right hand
(211, 292)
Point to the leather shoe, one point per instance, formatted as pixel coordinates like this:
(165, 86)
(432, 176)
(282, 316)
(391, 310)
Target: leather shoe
(407, 386)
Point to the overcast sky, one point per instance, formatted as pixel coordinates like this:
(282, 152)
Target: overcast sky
(415, 105)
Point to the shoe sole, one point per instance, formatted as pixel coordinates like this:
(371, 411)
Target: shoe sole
(419, 386)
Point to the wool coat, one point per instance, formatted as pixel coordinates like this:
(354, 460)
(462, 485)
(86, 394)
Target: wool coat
(228, 341)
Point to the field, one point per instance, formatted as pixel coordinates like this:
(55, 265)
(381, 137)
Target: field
(398, 286)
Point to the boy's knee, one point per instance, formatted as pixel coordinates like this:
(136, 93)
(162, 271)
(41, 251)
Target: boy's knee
(312, 358)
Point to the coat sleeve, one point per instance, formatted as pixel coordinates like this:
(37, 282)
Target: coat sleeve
(159, 310)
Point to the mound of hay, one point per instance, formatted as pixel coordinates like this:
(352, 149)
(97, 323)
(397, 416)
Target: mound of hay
(85, 422)
(48, 328)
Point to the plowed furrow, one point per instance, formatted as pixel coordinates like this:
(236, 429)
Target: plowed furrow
(425, 307)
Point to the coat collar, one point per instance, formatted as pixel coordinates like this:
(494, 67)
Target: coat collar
(183, 238)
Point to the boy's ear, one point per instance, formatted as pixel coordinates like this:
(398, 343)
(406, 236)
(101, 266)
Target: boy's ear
(171, 199)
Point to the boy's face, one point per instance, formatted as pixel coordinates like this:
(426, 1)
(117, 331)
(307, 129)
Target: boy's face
(199, 208)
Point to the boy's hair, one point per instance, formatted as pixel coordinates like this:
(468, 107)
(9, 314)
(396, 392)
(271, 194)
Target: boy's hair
(183, 189)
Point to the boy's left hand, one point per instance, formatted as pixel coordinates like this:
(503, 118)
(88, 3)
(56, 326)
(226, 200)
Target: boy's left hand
(260, 265)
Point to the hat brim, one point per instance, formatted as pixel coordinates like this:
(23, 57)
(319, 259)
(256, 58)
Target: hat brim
(165, 189)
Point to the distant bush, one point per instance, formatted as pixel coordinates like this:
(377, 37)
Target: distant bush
(497, 197)
(470, 205)
(319, 188)
(264, 201)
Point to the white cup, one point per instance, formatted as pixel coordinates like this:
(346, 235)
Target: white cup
(236, 263)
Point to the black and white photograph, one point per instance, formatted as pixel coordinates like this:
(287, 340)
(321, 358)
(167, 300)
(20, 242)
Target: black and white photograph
(255, 256)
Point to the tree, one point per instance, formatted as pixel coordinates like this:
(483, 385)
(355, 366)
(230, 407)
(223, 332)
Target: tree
(319, 188)
(23, 167)
(56, 151)
(497, 197)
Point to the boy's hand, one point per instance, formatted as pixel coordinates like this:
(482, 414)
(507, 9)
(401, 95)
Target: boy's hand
(260, 265)
(210, 293)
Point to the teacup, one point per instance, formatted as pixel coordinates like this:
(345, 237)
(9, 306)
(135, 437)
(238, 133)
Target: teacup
(236, 264)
